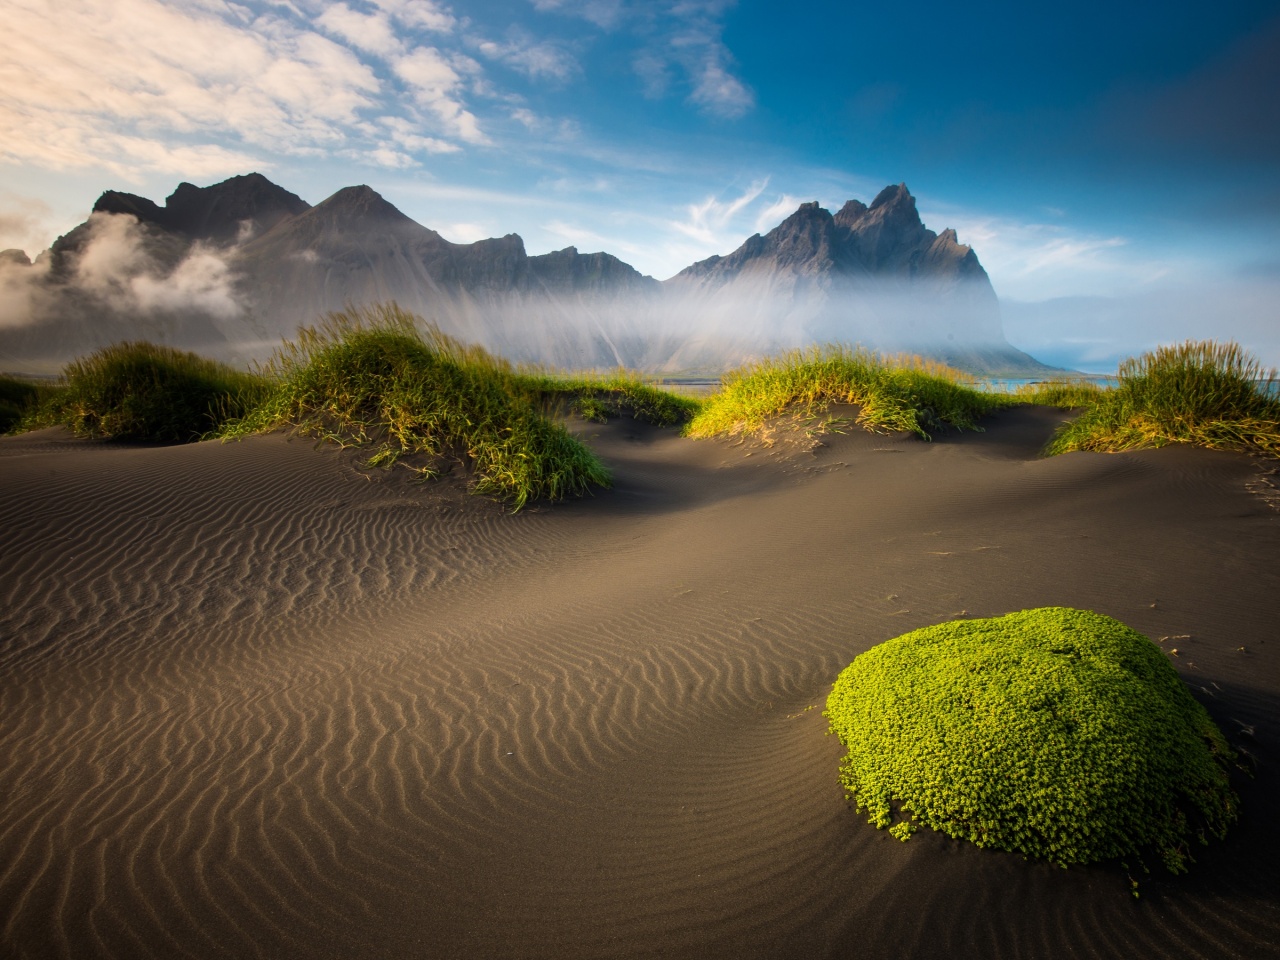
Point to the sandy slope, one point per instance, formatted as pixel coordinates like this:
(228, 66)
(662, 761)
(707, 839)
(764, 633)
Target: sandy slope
(256, 703)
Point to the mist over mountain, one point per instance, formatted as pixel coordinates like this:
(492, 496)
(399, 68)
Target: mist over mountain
(869, 274)
(233, 268)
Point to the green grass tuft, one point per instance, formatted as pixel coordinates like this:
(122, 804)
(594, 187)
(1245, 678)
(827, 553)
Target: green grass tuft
(1203, 393)
(140, 391)
(380, 378)
(19, 400)
(1064, 393)
(621, 393)
(895, 393)
(1056, 733)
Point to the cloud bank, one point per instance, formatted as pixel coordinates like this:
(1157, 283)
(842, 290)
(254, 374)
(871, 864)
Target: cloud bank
(1094, 334)
(116, 268)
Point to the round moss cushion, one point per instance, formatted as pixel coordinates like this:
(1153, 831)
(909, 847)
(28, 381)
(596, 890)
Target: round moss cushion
(1056, 733)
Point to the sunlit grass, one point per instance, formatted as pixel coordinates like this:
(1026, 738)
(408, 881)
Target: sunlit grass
(599, 397)
(1200, 392)
(898, 393)
(1065, 393)
(381, 379)
(141, 391)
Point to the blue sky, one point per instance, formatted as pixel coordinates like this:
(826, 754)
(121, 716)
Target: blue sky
(1121, 154)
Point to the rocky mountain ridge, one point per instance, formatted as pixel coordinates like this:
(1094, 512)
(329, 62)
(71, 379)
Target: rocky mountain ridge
(234, 267)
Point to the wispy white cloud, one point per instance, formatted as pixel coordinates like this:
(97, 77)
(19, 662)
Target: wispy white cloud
(577, 186)
(527, 117)
(386, 157)
(1039, 261)
(536, 59)
(436, 86)
(406, 134)
(24, 223)
(603, 13)
(372, 32)
(677, 39)
(772, 215)
(423, 14)
(695, 42)
(465, 232)
(201, 89)
(138, 82)
(707, 221)
(576, 235)
(719, 91)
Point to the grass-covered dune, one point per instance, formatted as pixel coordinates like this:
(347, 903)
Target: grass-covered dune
(381, 378)
(377, 378)
(1200, 392)
(140, 391)
(1061, 734)
(895, 393)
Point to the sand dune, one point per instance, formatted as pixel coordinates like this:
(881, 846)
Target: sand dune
(259, 703)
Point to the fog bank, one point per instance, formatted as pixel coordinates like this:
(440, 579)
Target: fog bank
(1093, 334)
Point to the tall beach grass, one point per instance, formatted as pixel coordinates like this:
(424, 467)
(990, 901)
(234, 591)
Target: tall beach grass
(380, 378)
(597, 397)
(19, 400)
(141, 391)
(895, 393)
(1204, 393)
(1066, 393)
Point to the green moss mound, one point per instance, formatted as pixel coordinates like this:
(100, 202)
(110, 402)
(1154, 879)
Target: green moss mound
(1057, 733)
(1200, 392)
(383, 379)
(906, 393)
(141, 391)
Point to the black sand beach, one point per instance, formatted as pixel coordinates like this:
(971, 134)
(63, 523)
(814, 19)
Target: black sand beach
(258, 702)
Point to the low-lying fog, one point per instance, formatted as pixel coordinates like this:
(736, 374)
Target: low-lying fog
(125, 285)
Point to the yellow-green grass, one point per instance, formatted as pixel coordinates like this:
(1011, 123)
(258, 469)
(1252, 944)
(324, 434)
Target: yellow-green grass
(1065, 393)
(597, 397)
(382, 379)
(140, 391)
(1200, 392)
(903, 393)
(1057, 733)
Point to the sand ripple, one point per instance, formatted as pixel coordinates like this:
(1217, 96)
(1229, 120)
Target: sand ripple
(257, 704)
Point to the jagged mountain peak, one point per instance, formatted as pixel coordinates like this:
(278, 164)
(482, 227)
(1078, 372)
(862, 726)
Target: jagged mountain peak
(870, 273)
(884, 239)
(894, 195)
(117, 201)
(851, 213)
(361, 202)
(220, 212)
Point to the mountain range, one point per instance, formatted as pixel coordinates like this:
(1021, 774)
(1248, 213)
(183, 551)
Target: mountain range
(232, 268)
